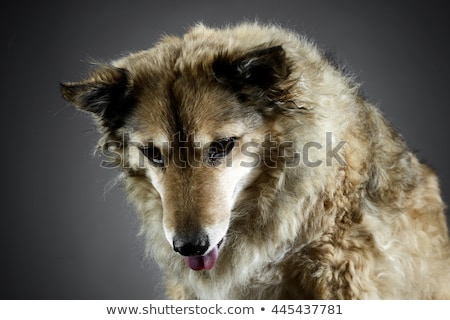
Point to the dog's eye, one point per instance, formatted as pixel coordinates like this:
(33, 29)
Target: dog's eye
(220, 149)
(154, 155)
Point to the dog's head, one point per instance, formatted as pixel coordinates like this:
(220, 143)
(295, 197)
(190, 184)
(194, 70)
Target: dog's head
(192, 120)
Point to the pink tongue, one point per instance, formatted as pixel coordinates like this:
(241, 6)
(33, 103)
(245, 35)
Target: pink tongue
(205, 262)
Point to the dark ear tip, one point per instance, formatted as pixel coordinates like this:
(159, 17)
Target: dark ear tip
(263, 68)
(68, 91)
(276, 49)
(223, 69)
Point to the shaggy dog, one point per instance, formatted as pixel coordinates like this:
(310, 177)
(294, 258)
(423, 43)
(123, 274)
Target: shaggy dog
(260, 171)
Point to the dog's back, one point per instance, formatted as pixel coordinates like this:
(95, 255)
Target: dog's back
(260, 171)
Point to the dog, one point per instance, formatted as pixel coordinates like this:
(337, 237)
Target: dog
(260, 171)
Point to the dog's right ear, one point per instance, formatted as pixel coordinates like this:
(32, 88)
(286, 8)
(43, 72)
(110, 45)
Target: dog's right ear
(107, 94)
(262, 68)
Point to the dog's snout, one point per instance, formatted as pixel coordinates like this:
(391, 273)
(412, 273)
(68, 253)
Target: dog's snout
(194, 245)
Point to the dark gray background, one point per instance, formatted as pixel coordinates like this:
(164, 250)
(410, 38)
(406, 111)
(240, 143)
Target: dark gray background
(63, 234)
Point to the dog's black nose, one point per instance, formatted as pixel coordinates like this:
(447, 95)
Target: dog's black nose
(195, 245)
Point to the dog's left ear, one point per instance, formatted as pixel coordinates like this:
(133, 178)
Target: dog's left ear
(106, 94)
(262, 68)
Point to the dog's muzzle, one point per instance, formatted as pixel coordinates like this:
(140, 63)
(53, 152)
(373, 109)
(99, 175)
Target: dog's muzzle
(194, 250)
(191, 246)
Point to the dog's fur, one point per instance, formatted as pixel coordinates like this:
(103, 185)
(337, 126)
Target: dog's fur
(356, 217)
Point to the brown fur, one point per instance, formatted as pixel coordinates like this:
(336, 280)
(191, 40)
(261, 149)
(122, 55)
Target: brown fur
(369, 227)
